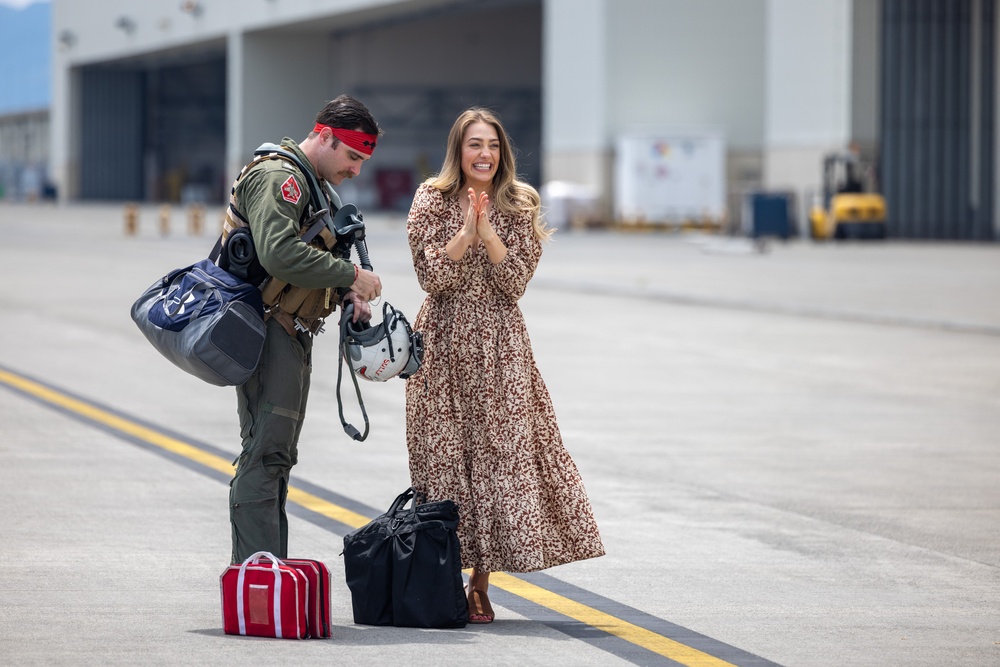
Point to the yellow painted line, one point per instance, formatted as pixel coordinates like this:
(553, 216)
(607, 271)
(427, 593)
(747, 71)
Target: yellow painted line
(600, 620)
(326, 508)
(631, 633)
(118, 423)
(296, 495)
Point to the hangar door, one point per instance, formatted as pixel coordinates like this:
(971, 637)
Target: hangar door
(419, 71)
(938, 118)
(154, 130)
(111, 134)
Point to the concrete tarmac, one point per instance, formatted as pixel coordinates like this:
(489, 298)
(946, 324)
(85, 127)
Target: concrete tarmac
(793, 455)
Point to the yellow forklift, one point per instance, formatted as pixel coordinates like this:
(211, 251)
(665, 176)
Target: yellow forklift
(850, 207)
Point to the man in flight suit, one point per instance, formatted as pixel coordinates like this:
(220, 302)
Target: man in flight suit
(272, 198)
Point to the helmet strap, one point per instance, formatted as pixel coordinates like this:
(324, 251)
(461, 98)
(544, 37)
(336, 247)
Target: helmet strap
(349, 428)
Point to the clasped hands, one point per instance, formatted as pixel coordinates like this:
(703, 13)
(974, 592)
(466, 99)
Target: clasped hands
(477, 224)
(477, 227)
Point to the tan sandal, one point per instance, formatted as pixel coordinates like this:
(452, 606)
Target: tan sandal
(480, 609)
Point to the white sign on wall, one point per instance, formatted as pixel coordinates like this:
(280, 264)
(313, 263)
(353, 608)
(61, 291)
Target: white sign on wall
(670, 177)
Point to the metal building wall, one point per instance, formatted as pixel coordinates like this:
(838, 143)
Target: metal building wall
(201, 100)
(938, 118)
(111, 134)
(24, 152)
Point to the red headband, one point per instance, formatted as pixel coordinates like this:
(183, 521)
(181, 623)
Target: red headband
(359, 141)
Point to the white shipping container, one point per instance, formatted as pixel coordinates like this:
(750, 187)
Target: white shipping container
(670, 177)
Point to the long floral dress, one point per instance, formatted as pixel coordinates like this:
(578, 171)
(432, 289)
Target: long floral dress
(480, 427)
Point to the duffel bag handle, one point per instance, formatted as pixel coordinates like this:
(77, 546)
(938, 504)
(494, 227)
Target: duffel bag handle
(400, 501)
(169, 278)
(276, 612)
(203, 285)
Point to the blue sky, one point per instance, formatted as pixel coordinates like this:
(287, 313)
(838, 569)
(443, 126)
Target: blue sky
(20, 4)
(26, 58)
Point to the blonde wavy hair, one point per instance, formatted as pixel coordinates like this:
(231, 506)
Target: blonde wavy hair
(510, 195)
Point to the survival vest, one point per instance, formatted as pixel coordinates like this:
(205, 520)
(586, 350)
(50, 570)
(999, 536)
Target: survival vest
(294, 307)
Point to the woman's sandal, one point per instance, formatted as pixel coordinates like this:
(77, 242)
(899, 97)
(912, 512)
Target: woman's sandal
(480, 610)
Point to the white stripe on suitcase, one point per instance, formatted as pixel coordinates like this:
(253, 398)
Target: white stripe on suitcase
(276, 568)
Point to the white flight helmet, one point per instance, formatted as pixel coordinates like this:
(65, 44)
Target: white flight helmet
(378, 353)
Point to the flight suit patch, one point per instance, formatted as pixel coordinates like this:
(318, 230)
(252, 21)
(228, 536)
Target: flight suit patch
(290, 190)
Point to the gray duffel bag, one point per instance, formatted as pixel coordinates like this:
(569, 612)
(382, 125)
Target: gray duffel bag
(206, 321)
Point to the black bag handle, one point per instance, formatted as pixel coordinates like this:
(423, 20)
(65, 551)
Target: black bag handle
(400, 501)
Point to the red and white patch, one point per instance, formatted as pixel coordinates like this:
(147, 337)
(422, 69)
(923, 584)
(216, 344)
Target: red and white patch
(290, 191)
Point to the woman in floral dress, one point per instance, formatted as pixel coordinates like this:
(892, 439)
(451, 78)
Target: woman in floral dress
(480, 427)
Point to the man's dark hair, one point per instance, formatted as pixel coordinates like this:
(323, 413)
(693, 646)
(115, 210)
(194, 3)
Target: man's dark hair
(346, 113)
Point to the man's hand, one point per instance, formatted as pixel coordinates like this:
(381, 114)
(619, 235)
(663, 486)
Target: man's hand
(362, 311)
(367, 285)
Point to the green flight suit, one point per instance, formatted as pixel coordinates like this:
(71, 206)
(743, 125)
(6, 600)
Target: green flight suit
(272, 403)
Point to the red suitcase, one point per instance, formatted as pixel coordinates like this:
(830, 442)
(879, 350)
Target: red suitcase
(264, 599)
(318, 607)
